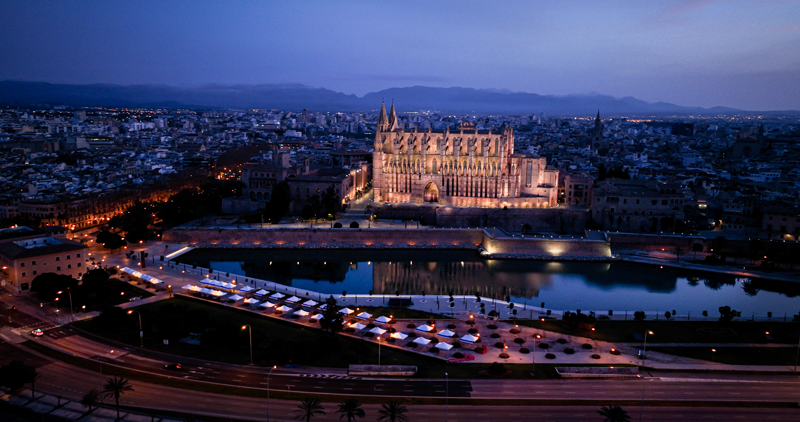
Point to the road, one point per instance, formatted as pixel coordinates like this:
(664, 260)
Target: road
(71, 383)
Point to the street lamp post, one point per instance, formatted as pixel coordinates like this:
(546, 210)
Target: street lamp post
(268, 374)
(446, 397)
(644, 349)
(379, 352)
(713, 352)
(141, 332)
(250, 332)
(71, 312)
(533, 354)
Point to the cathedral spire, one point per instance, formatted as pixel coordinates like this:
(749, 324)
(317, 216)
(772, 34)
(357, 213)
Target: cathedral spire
(393, 119)
(383, 121)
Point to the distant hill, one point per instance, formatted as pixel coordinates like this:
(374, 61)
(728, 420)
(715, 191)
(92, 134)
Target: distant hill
(298, 97)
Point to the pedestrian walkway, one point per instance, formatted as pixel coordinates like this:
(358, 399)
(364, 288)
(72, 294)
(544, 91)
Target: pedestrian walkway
(72, 410)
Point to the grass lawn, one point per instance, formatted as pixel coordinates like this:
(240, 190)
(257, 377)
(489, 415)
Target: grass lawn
(736, 355)
(274, 341)
(681, 331)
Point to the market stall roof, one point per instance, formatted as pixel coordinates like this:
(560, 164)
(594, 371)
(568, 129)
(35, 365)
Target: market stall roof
(446, 333)
(346, 311)
(358, 326)
(377, 331)
(364, 315)
(309, 303)
(277, 295)
(469, 338)
(444, 346)
(206, 291)
(293, 299)
(218, 293)
(425, 328)
(421, 340)
(187, 287)
(302, 313)
(266, 304)
(398, 335)
(382, 319)
(246, 289)
(317, 317)
(283, 308)
(252, 301)
(260, 292)
(235, 297)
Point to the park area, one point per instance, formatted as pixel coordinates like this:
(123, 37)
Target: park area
(199, 329)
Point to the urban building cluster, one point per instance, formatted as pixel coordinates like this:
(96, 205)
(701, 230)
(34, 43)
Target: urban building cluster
(738, 175)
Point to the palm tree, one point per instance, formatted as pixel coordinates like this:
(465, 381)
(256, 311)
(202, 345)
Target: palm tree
(90, 398)
(393, 412)
(614, 414)
(350, 408)
(116, 387)
(308, 408)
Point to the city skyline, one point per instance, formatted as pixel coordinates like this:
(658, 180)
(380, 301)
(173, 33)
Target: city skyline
(701, 53)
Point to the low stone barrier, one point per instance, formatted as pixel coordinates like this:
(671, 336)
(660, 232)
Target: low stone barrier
(382, 370)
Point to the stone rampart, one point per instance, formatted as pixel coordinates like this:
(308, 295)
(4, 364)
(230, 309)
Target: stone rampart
(436, 238)
(511, 219)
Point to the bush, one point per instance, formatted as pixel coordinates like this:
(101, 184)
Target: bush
(639, 316)
(349, 330)
(595, 356)
(471, 322)
(473, 331)
(411, 345)
(353, 225)
(412, 335)
(411, 326)
(587, 346)
(496, 368)
(369, 335)
(337, 225)
(451, 326)
(519, 340)
(392, 330)
(562, 341)
(504, 355)
(370, 326)
(615, 352)
(544, 346)
(458, 355)
(480, 349)
(569, 351)
(433, 350)
(456, 345)
(434, 341)
(491, 327)
(514, 331)
(495, 335)
(500, 345)
(524, 350)
(550, 356)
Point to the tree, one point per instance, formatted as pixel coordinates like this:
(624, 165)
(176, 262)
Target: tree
(110, 240)
(311, 208)
(116, 387)
(350, 408)
(526, 228)
(94, 278)
(667, 315)
(331, 319)
(330, 201)
(639, 316)
(697, 247)
(614, 414)
(90, 398)
(308, 408)
(48, 285)
(393, 412)
(15, 375)
(279, 202)
(726, 314)
(678, 253)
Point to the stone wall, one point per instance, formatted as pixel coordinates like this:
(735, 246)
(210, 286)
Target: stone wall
(502, 247)
(512, 219)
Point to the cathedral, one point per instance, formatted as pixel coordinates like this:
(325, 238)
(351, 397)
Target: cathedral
(466, 168)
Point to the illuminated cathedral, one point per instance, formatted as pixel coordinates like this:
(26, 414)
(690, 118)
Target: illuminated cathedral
(466, 167)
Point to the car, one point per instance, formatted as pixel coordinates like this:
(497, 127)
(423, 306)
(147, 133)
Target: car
(37, 332)
(387, 204)
(134, 298)
(173, 366)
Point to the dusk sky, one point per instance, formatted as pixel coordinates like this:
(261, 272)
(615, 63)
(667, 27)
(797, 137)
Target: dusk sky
(743, 54)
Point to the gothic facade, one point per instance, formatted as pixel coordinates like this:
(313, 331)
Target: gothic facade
(466, 167)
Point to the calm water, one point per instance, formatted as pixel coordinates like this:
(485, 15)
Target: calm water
(561, 285)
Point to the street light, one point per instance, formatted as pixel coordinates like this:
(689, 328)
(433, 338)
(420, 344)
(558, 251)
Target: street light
(713, 351)
(71, 315)
(644, 349)
(533, 354)
(379, 352)
(141, 332)
(250, 332)
(268, 374)
(446, 401)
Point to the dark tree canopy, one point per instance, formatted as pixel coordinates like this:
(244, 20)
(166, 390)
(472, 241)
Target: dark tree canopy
(47, 285)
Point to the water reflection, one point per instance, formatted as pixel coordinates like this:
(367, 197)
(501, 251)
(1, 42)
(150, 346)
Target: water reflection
(385, 272)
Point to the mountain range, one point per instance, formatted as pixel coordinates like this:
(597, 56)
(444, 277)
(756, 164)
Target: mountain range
(297, 97)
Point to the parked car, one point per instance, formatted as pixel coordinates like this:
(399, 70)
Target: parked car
(37, 332)
(173, 366)
(134, 298)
